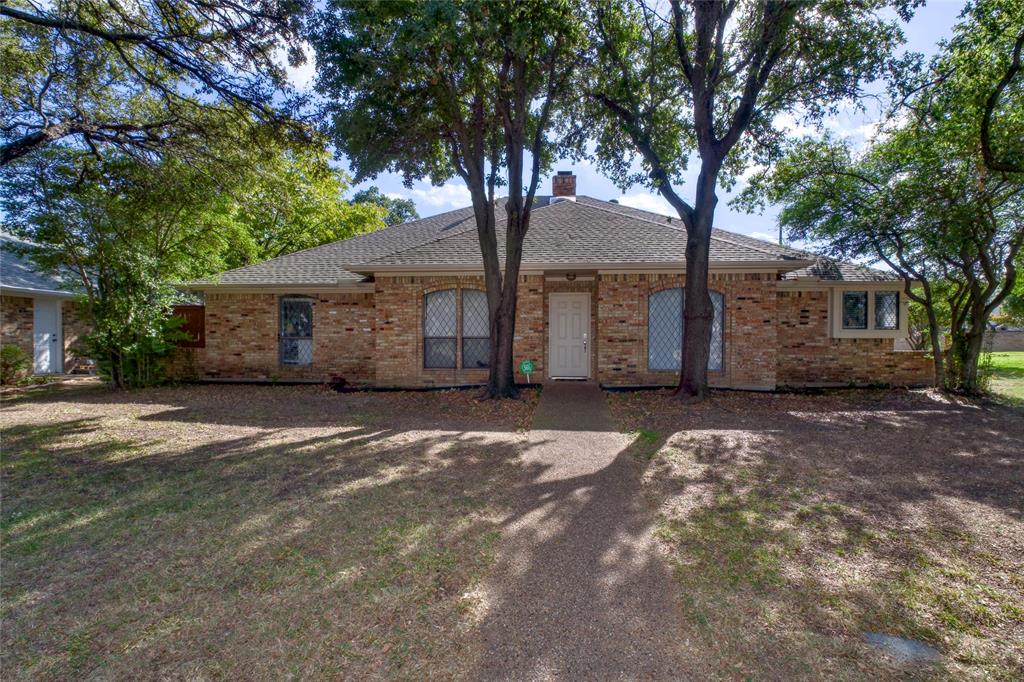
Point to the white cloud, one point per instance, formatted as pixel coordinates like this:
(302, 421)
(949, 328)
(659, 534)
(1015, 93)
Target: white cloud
(649, 202)
(772, 237)
(300, 77)
(450, 195)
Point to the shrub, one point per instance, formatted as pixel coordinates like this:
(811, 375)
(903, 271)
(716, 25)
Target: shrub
(14, 364)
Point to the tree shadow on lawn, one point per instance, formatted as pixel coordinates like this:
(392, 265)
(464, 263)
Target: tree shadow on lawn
(347, 553)
(582, 592)
(303, 406)
(796, 524)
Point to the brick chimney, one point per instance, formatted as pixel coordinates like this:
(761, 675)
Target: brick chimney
(563, 184)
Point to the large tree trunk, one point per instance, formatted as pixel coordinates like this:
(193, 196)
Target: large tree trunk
(698, 312)
(966, 350)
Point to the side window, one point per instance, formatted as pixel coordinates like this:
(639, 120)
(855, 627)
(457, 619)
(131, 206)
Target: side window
(439, 329)
(665, 330)
(296, 331)
(476, 343)
(887, 310)
(855, 310)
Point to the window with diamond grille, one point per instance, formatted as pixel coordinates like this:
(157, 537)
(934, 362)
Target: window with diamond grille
(887, 310)
(665, 330)
(296, 332)
(855, 310)
(439, 329)
(476, 328)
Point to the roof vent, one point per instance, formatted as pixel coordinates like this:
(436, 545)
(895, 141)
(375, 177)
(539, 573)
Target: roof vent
(560, 200)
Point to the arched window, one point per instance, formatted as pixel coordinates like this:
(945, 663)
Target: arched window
(476, 329)
(439, 329)
(665, 330)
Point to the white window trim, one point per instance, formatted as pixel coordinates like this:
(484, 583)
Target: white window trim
(836, 313)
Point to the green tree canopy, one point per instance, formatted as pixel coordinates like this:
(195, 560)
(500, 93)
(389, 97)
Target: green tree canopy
(462, 89)
(714, 79)
(131, 75)
(922, 198)
(398, 210)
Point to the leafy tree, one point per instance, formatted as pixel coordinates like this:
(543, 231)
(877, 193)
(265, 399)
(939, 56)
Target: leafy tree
(398, 210)
(923, 199)
(130, 75)
(291, 199)
(715, 79)
(468, 89)
(129, 230)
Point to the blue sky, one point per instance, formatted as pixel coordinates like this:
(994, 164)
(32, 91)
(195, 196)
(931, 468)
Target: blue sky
(930, 24)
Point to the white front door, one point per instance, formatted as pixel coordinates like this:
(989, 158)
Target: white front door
(46, 336)
(569, 336)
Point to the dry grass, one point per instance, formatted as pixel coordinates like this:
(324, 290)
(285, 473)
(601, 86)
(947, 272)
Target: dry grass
(244, 532)
(797, 523)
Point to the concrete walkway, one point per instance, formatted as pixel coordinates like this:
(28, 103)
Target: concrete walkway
(579, 591)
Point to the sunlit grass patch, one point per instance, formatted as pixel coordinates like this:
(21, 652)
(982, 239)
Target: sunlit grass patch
(218, 543)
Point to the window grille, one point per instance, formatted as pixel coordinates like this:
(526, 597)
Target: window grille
(476, 344)
(439, 329)
(855, 310)
(887, 307)
(665, 330)
(296, 331)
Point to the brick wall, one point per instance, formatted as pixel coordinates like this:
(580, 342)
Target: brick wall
(16, 322)
(808, 356)
(749, 331)
(399, 311)
(74, 330)
(242, 331)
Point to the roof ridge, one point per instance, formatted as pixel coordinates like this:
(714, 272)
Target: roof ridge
(713, 236)
(439, 238)
(672, 227)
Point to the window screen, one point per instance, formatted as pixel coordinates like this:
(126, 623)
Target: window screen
(665, 330)
(439, 329)
(476, 344)
(855, 310)
(887, 310)
(296, 333)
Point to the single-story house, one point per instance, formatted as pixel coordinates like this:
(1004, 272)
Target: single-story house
(600, 298)
(38, 312)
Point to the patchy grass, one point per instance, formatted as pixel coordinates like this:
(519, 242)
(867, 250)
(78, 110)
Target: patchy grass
(249, 532)
(796, 523)
(1008, 375)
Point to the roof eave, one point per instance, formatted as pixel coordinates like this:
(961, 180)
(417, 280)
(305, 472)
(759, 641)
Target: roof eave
(53, 293)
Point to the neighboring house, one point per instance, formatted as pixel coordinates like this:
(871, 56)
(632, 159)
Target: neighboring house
(38, 312)
(600, 297)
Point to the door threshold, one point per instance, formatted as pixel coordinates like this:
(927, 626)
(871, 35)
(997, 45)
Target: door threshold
(569, 378)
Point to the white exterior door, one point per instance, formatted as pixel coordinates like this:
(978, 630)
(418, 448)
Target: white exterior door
(569, 336)
(46, 337)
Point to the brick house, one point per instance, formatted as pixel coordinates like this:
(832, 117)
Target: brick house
(600, 298)
(38, 312)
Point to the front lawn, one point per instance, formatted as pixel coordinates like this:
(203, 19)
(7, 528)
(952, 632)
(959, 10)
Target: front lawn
(1008, 375)
(248, 532)
(796, 525)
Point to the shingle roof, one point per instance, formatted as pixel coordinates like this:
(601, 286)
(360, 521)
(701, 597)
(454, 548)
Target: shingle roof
(18, 272)
(587, 230)
(327, 264)
(832, 270)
